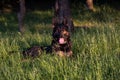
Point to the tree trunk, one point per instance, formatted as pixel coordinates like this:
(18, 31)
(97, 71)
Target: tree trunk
(21, 15)
(90, 5)
(62, 12)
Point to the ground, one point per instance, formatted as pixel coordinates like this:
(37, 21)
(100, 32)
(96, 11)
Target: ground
(95, 45)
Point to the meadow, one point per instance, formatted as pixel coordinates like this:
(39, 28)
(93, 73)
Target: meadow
(95, 45)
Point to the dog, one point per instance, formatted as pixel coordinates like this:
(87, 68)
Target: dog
(36, 51)
(60, 45)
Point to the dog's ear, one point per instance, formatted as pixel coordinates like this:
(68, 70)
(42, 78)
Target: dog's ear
(56, 5)
(54, 22)
(65, 22)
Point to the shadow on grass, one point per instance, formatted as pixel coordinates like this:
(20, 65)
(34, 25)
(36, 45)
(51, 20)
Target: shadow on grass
(8, 22)
(34, 21)
(103, 13)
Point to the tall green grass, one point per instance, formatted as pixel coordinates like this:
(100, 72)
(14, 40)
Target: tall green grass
(95, 45)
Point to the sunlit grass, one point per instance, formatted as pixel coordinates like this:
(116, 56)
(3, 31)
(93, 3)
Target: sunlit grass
(95, 44)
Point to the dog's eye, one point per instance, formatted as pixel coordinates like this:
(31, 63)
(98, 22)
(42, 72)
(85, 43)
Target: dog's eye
(65, 35)
(56, 35)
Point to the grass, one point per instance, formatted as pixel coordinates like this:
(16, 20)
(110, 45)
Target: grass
(95, 44)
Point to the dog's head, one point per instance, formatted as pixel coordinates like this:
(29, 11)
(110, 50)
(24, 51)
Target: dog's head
(60, 33)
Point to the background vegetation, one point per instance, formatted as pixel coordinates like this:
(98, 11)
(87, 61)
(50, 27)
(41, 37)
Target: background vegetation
(95, 44)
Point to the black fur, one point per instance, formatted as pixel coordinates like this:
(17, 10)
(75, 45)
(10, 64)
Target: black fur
(60, 31)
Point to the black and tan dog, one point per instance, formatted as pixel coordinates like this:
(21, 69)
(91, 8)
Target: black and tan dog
(61, 43)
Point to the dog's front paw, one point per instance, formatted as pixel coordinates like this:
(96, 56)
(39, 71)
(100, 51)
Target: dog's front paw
(60, 53)
(64, 54)
(69, 54)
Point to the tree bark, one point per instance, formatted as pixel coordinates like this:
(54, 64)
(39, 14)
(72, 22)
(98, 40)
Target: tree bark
(90, 5)
(62, 12)
(21, 15)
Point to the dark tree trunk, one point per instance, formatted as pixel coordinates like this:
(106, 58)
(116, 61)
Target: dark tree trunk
(62, 12)
(21, 15)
